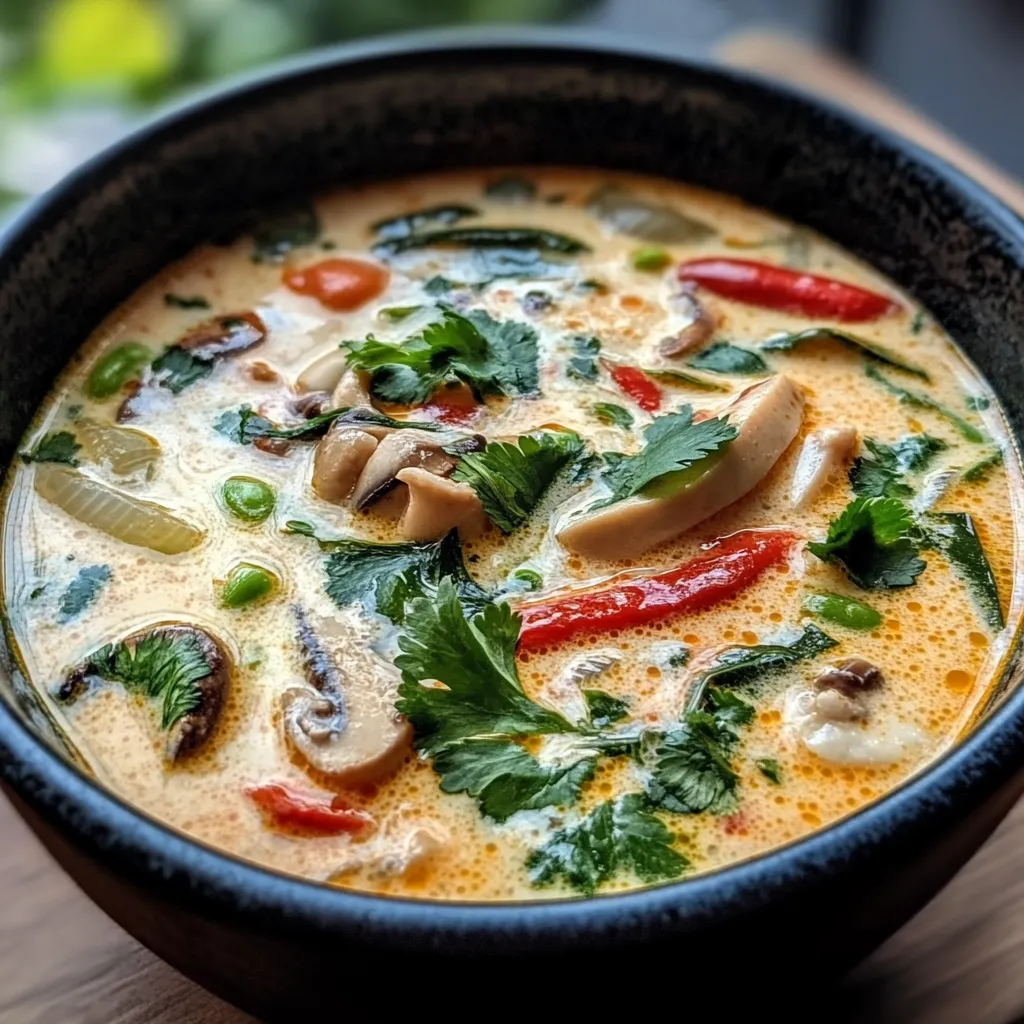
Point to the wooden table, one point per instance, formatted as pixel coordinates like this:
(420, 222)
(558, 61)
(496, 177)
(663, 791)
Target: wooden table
(63, 962)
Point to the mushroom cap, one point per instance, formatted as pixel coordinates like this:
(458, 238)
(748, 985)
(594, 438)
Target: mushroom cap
(341, 455)
(399, 450)
(438, 505)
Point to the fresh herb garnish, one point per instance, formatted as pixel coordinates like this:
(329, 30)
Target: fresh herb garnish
(438, 285)
(788, 342)
(917, 322)
(977, 403)
(680, 378)
(185, 301)
(770, 769)
(283, 230)
(58, 447)
(672, 443)
(396, 314)
(408, 224)
(723, 357)
(161, 665)
(955, 535)
(615, 415)
(83, 590)
(604, 709)
(881, 474)
(618, 835)
(693, 770)
(510, 479)
(968, 431)
(491, 357)
(474, 657)
(582, 364)
(178, 368)
(529, 579)
(244, 425)
(741, 665)
(505, 778)
(484, 238)
(877, 543)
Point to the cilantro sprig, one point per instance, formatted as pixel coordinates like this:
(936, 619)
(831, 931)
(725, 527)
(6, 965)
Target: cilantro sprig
(510, 479)
(491, 357)
(672, 444)
(882, 472)
(57, 447)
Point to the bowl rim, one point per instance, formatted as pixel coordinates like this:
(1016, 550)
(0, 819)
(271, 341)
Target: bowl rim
(143, 849)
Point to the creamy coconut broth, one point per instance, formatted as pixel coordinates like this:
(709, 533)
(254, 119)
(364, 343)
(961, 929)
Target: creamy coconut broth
(701, 538)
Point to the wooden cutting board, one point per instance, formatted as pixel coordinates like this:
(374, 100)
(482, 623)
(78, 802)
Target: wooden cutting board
(62, 961)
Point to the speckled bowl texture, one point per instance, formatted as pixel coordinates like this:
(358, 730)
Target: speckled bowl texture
(279, 946)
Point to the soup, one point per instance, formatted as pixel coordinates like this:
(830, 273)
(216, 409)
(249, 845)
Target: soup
(509, 535)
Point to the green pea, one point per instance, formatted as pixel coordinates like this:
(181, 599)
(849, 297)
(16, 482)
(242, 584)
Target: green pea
(843, 611)
(116, 367)
(650, 257)
(248, 498)
(246, 583)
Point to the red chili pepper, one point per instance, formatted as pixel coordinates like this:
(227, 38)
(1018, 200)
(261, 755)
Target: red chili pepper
(340, 284)
(450, 405)
(637, 385)
(793, 291)
(312, 812)
(733, 564)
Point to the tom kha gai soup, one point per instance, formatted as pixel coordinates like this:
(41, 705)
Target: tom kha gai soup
(512, 535)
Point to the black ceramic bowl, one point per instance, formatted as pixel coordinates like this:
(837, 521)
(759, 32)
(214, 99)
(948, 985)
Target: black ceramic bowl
(276, 945)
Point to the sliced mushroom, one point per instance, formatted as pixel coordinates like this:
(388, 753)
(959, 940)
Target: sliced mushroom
(852, 676)
(699, 330)
(341, 455)
(193, 729)
(437, 506)
(343, 726)
(767, 417)
(311, 404)
(400, 450)
(224, 335)
(324, 372)
(824, 453)
(350, 391)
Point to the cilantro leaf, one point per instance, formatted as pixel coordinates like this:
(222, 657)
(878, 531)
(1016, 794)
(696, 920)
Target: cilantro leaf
(955, 535)
(693, 772)
(671, 443)
(59, 447)
(967, 431)
(788, 342)
(619, 835)
(491, 357)
(876, 541)
(770, 769)
(178, 368)
(725, 358)
(609, 412)
(881, 474)
(283, 230)
(475, 658)
(510, 479)
(161, 665)
(505, 778)
(736, 666)
(582, 365)
(83, 590)
(604, 709)
(389, 576)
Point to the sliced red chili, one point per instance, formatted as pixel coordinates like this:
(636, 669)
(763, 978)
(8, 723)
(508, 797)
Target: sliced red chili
(733, 564)
(793, 291)
(323, 813)
(450, 405)
(637, 385)
(340, 284)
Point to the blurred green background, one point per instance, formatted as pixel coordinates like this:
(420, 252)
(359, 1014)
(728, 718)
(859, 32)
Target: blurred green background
(74, 74)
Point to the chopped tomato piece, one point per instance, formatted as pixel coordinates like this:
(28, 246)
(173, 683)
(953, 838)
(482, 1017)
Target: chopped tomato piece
(732, 565)
(793, 291)
(340, 284)
(638, 386)
(321, 812)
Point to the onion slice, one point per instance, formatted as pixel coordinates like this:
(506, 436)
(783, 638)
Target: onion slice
(127, 518)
